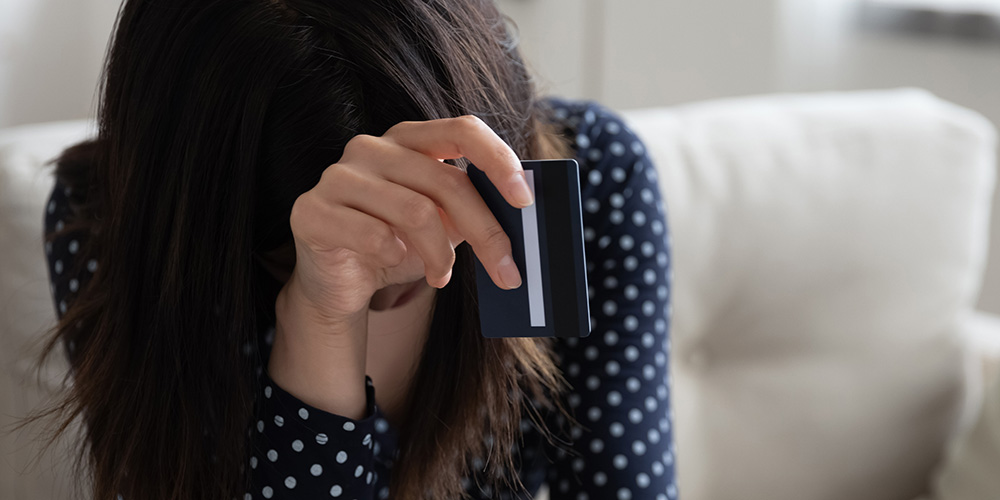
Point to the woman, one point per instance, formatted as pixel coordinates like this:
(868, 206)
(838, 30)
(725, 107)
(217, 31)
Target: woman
(264, 271)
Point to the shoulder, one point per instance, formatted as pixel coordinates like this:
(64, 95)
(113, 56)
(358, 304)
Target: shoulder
(598, 136)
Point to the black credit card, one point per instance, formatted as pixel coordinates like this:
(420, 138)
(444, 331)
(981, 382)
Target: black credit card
(547, 245)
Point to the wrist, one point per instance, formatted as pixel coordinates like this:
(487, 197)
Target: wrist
(320, 361)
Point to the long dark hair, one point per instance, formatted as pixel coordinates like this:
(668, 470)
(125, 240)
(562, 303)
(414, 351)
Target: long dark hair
(215, 115)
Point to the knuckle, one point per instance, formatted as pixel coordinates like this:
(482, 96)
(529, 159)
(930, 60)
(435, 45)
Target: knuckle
(468, 124)
(453, 180)
(380, 240)
(420, 211)
(493, 236)
(361, 143)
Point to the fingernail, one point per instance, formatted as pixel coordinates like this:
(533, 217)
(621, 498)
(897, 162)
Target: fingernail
(520, 191)
(508, 272)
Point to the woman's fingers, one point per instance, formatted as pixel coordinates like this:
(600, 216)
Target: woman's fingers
(461, 205)
(325, 226)
(469, 137)
(405, 210)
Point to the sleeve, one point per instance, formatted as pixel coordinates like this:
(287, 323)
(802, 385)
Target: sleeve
(65, 241)
(623, 448)
(302, 452)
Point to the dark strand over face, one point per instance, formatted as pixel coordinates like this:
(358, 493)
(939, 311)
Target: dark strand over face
(215, 116)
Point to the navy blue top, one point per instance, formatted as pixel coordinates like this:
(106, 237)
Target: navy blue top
(624, 448)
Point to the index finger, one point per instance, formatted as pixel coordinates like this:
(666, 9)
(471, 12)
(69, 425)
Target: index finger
(468, 137)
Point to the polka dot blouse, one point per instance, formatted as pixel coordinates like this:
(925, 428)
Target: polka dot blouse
(623, 448)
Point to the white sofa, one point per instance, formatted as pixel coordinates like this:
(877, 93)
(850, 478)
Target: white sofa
(829, 250)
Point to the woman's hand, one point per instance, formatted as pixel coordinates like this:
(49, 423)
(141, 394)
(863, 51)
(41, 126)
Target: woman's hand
(389, 212)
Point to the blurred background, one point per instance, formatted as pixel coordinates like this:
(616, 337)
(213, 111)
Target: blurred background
(624, 53)
(826, 343)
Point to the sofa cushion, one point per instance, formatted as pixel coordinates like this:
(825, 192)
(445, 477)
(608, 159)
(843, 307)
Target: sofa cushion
(825, 247)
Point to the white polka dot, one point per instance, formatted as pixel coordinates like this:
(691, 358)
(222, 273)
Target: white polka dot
(626, 242)
(348, 426)
(589, 234)
(578, 465)
(630, 264)
(618, 174)
(297, 445)
(303, 414)
(253, 462)
(648, 340)
(649, 276)
(611, 337)
(574, 400)
(279, 420)
(267, 392)
(594, 155)
(272, 455)
(631, 353)
(582, 141)
(260, 426)
(322, 438)
(648, 372)
(610, 282)
(359, 471)
(381, 426)
(593, 382)
(657, 469)
(614, 398)
(92, 266)
(596, 445)
(631, 292)
(631, 323)
(367, 440)
(573, 370)
(341, 457)
(595, 177)
(74, 246)
(624, 494)
(639, 448)
(267, 492)
(609, 308)
(616, 217)
(59, 226)
(590, 353)
(616, 200)
(336, 490)
(52, 207)
(642, 480)
(616, 429)
(247, 497)
(612, 368)
(620, 462)
(617, 148)
(594, 414)
(650, 403)
(290, 482)
(639, 219)
(592, 205)
(613, 128)
(368, 478)
(634, 416)
(653, 436)
(600, 478)
(58, 267)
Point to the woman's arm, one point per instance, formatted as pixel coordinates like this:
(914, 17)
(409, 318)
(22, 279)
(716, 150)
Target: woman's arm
(619, 374)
